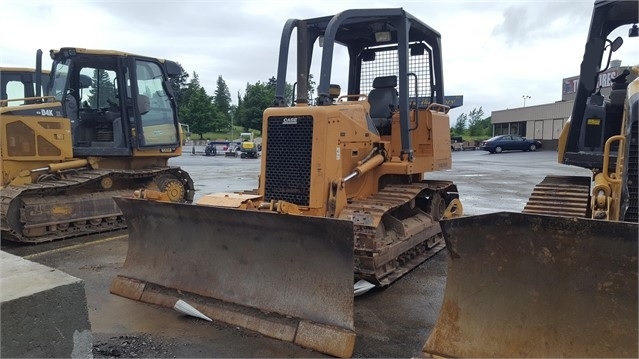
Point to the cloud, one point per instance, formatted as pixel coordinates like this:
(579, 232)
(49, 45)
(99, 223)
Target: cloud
(494, 51)
(530, 22)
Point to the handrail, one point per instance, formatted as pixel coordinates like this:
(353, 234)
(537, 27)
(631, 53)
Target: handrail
(606, 157)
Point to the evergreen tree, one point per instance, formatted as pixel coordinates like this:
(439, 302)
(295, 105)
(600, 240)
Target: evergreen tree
(179, 84)
(222, 97)
(197, 109)
(102, 89)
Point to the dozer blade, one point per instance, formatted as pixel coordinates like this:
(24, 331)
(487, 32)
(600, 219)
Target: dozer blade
(522, 285)
(288, 277)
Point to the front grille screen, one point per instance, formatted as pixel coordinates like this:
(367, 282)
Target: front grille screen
(288, 159)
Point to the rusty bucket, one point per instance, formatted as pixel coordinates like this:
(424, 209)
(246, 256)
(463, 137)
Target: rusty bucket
(522, 285)
(285, 276)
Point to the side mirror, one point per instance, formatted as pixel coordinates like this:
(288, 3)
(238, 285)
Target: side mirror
(144, 104)
(368, 55)
(616, 44)
(172, 68)
(85, 81)
(417, 49)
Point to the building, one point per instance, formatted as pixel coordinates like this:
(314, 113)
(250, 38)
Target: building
(545, 122)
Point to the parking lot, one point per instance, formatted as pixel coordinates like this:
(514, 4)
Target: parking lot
(486, 182)
(393, 322)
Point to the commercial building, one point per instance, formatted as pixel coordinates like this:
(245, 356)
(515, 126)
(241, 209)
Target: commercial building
(545, 122)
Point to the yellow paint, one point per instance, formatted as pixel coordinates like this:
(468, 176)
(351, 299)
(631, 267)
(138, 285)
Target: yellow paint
(62, 210)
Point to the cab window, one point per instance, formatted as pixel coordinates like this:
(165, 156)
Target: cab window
(158, 121)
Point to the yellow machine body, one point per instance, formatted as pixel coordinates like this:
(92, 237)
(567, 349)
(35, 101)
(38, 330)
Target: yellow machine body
(65, 155)
(342, 195)
(559, 279)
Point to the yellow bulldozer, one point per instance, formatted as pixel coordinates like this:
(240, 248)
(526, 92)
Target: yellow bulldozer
(107, 126)
(19, 84)
(342, 194)
(559, 279)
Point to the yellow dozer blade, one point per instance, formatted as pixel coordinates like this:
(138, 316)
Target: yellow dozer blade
(521, 285)
(285, 276)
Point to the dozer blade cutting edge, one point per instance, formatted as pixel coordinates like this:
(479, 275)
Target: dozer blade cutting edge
(522, 285)
(235, 265)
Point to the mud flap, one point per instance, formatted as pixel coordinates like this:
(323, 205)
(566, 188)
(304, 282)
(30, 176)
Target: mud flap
(522, 285)
(288, 277)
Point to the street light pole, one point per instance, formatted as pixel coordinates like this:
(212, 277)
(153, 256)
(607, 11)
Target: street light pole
(525, 97)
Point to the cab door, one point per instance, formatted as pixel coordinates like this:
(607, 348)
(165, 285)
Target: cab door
(155, 111)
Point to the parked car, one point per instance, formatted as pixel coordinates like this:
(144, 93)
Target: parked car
(210, 149)
(501, 143)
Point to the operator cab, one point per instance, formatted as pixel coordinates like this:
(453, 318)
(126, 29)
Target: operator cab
(116, 102)
(598, 115)
(394, 60)
(20, 83)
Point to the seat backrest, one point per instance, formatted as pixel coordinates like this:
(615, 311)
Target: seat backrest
(383, 98)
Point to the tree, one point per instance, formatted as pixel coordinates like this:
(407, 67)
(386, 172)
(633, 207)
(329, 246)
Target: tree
(288, 89)
(179, 84)
(460, 125)
(197, 109)
(222, 101)
(475, 121)
(102, 89)
(311, 89)
(257, 98)
(477, 125)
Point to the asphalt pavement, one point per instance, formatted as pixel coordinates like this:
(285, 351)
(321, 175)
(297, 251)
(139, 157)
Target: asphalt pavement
(393, 322)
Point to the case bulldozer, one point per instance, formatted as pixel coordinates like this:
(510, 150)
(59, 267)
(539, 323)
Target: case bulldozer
(342, 194)
(559, 279)
(107, 126)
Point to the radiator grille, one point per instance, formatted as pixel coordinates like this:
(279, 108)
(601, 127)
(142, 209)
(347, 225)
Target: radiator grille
(288, 159)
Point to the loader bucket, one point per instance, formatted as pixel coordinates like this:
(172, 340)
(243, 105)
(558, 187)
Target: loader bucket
(522, 285)
(285, 276)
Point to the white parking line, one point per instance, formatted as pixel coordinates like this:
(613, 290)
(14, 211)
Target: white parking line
(80, 245)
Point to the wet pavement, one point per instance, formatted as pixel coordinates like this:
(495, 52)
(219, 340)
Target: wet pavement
(393, 322)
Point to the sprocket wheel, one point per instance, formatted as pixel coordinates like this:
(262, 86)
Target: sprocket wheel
(172, 186)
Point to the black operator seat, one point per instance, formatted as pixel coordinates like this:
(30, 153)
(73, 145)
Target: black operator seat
(384, 100)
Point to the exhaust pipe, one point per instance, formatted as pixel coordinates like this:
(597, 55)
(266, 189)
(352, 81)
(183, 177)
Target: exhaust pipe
(38, 73)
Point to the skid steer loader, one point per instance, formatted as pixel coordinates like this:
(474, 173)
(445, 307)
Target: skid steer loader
(560, 279)
(107, 126)
(342, 195)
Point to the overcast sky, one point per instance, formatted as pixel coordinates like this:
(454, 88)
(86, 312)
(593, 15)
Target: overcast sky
(494, 52)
